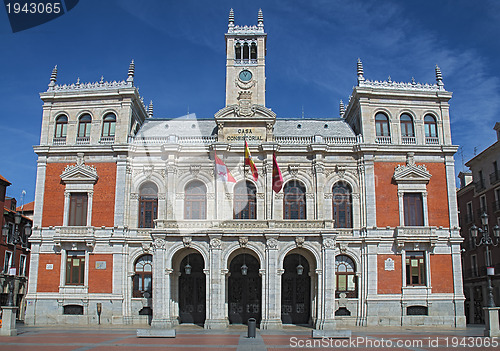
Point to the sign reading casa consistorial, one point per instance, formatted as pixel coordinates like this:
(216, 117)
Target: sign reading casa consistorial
(349, 220)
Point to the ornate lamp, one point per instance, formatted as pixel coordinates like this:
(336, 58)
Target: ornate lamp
(187, 267)
(244, 267)
(300, 268)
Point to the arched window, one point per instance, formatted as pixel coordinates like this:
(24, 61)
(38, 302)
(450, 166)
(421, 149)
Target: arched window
(84, 123)
(245, 51)
(342, 205)
(108, 126)
(430, 130)
(237, 51)
(345, 274)
(245, 201)
(148, 205)
(61, 126)
(406, 126)
(143, 269)
(294, 200)
(253, 51)
(382, 125)
(195, 202)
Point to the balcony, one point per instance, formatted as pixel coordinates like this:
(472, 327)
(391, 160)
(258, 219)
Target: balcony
(432, 140)
(59, 141)
(82, 140)
(74, 235)
(415, 235)
(479, 185)
(383, 140)
(107, 140)
(494, 177)
(238, 226)
(408, 140)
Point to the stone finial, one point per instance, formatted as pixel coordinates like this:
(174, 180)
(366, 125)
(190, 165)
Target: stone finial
(360, 71)
(131, 71)
(231, 19)
(341, 108)
(439, 77)
(150, 109)
(260, 18)
(53, 77)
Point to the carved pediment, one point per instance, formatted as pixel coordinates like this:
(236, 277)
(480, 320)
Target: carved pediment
(79, 173)
(411, 172)
(244, 110)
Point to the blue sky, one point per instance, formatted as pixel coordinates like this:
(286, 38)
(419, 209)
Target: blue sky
(312, 48)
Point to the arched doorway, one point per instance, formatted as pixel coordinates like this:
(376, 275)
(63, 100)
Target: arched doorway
(192, 295)
(244, 289)
(295, 290)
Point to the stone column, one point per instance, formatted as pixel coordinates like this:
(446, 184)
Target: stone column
(319, 171)
(372, 281)
(271, 283)
(371, 210)
(67, 195)
(170, 199)
(121, 173)
(458, 287)
(39, 191)
(216, 316)
(326, 302)
(8, 321)
(90, 196)
(161, 286)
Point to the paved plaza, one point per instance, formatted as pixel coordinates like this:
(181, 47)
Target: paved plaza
(234, 339)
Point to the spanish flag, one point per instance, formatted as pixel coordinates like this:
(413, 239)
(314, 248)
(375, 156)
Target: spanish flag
(249, 162)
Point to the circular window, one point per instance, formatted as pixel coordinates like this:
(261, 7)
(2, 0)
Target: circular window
(299, 126)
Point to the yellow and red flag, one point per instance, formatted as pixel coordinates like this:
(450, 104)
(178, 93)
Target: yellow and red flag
(249, 162)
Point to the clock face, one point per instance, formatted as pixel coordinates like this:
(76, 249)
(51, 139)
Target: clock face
(245, 75)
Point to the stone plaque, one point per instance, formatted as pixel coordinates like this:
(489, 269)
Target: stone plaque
(389, 264)
(49, 266)
(100, 265)
(235, 135)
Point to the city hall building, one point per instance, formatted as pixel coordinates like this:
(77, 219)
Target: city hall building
(132, 224)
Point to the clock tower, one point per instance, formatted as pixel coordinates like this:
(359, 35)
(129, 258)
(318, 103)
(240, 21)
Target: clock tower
(246, 62)
(245, 85)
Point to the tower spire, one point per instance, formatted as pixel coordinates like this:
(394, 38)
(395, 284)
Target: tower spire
(439, 77)
(260, 19)
(150, 109)
(53, 77)
(131, 72)
(231, 20)
(361, 78)
(341, 108)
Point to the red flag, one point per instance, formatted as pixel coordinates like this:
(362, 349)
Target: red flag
(277, 177)
(249, 162)
(222, 171)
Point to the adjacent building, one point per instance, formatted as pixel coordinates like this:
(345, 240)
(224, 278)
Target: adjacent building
(129, 215)
(479, 194)
(14, 250)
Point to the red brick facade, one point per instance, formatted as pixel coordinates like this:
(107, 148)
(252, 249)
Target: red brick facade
(389, 282)
(441, 273)
(49, 279)
(103, 206)
(387, 201)
(101, 280)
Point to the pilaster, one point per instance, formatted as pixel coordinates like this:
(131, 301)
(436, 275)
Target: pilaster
(326, 291)
(271, 310)
(216, 316)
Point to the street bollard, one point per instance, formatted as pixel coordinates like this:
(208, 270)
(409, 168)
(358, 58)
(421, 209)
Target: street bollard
(252, 325)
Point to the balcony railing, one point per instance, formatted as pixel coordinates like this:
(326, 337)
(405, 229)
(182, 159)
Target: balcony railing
(59, 141)
(107, 140)
(432, 140)
(245, 62)
(82, 140)
(294, 139)
(383, 140)
(407, 140)
(494, 177)
(479, 185)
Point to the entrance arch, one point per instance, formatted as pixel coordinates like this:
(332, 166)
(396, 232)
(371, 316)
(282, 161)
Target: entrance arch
(192, 287)
(244, 289)
(296, 290)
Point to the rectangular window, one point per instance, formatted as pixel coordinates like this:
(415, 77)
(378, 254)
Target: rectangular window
(415, 268)
(78, 209)
(482, 201)
(413, 209)
(75, 267)
(7, 262)
(22, 265)
(473, 262)
(470, 217)
(10, 234)
(481, 180)
(487, 257)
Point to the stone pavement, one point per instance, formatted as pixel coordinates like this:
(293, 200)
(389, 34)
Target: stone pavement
(193, 338)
